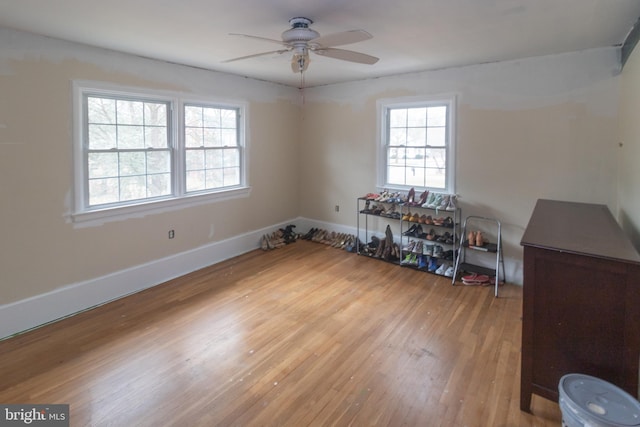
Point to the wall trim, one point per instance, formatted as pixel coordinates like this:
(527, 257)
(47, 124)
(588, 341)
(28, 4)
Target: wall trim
(33, 312)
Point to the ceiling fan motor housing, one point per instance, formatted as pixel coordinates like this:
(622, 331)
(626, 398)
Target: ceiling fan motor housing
(299, 31)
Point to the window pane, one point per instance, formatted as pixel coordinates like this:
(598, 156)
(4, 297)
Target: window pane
(417, 117)
(158, 162)
(214, 159)
(103, 165)
(192, 116)
(231, 176)
(398, 136)
(231, 157)
(130, 112)
(416, 137)
(101, 110)
(415, 176)
(395, 175)
(211, 118)
(194, 160)
(132, 164)
(155, 114)
(195, 180)
(228, 119)
(193, 137)
(212, 138)
(229, 138)
(436, 158)
(103, 191)
(396, 156)
(436, 137)
(102, 137)
(156, 137)
(130, 137)
(215, 178)
(133, 188)
(437, 116)
(159, 185)
(398, 117)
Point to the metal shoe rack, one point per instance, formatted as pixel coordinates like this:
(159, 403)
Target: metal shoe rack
(491, 249)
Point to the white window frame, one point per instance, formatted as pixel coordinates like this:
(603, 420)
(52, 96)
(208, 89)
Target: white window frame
(383, 106)
(83, 213)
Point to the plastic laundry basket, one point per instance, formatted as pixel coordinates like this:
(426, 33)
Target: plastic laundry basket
(587, 401)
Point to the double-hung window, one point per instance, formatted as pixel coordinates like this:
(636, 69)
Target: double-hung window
(417, 144)
(140, 150)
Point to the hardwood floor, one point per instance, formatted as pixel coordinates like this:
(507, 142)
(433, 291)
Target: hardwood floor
(297, 336)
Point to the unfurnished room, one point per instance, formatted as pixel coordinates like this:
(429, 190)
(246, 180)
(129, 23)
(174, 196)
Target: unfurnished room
(320, 213)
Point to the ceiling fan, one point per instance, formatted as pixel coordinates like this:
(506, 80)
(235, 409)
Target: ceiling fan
(300, 39)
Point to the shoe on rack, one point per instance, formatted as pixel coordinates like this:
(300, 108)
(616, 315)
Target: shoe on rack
(444, 202)
(423, 198)
(427, 250)
(410, 231)
(433, 265)
(409, 246)
(449, 272)
(430, 199)
(411, 197)
(437, 200)
(422, 261)
(417, 249)
(438, 251)
(440, 270)
(452, 206)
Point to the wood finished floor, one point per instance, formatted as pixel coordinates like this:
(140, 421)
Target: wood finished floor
(302, 335)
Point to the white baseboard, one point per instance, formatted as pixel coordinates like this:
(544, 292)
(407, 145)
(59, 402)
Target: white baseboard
(36, 311)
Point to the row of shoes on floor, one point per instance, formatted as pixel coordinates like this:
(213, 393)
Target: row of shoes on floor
(417, 231)
(427, 199)
(344, 241)
(279, 238)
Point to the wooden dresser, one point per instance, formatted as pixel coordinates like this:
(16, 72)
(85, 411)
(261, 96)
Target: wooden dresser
(581, 299)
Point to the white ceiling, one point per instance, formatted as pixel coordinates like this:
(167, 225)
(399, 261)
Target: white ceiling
(408, 35)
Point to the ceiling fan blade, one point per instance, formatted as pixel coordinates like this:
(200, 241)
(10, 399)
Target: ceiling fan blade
(258, 38)
(255, 55)
(339, 39)
(347, 55)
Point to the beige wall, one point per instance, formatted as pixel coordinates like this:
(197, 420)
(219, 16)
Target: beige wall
(629, 153)
(536, 128)
(41, 250)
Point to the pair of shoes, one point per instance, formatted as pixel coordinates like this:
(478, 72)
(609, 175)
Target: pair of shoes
(410, 259)
(475, 279)
(433, 265)
(475, 238)
(441, 270)
(449, 272)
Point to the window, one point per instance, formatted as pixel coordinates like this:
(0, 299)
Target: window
(212, 149)
(417, 144)
(140, 150)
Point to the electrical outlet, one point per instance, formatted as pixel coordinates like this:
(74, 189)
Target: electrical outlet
(337, 208)
(172, 234)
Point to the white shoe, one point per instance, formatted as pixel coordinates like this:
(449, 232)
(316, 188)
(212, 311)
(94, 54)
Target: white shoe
(449, 272)
(441, 270)
(451, 206)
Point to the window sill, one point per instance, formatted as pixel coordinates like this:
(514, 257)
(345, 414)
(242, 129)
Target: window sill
(101, 216)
